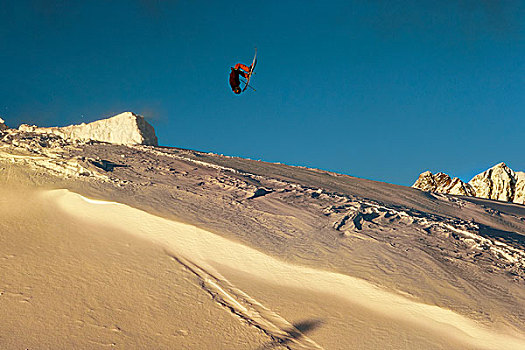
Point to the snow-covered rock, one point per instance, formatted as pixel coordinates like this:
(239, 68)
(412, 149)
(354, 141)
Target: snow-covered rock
(2, 125)
(126, 129)
(425, 182)
(499, 182)
(442, 183)
(519, 192)
(459, 187)
(429, 182)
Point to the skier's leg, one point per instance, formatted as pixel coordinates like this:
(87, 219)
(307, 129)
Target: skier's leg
(244, 67)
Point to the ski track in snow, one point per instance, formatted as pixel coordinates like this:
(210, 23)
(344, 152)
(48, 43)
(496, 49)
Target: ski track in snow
(200, 251)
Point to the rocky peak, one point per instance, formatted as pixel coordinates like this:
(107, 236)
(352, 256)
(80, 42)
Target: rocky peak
(126, 129)
(430, 182)
(459, 187)
(442, 183)
(499, 182)
(425, 182)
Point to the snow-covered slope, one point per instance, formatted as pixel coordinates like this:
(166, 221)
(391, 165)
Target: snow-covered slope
(499, 183)
(158, 247)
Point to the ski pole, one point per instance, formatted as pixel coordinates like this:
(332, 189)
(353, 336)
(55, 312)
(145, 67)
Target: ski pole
(251, 87)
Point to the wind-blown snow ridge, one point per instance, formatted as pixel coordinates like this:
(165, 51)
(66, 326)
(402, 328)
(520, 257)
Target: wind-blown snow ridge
(356, 211)
(125, 129)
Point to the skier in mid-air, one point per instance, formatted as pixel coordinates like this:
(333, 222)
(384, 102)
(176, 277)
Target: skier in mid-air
(245, 71)
(239, 69)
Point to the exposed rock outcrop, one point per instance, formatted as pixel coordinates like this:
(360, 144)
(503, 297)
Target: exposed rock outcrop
(430, 182)
(499, 183)
(2, 125)
(458, 187)
(125, 129)
(519, 193)
(442, 183)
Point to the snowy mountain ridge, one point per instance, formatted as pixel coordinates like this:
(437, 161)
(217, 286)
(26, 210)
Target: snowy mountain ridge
(499, 183)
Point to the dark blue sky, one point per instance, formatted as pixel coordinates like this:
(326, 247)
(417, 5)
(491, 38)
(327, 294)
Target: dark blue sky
(376, 89)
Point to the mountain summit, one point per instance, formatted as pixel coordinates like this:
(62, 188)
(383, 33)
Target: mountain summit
(499, 182)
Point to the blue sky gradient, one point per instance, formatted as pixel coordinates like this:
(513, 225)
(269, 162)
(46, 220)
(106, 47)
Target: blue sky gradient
(377, 89)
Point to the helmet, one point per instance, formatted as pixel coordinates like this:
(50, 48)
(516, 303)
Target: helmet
(237, 90)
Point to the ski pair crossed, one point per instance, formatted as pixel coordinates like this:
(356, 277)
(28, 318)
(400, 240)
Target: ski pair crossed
(251, 87)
